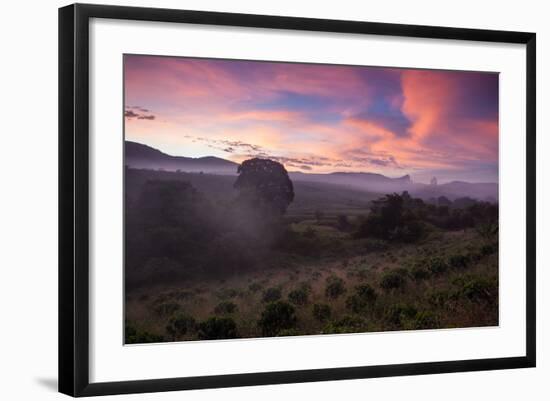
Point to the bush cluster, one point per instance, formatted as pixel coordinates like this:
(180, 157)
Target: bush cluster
(217, 328)
(477, 288)
(419, 272)
(394, 218)
(179, 325)
(335, 287)
(459, 261)
(134, 336)
(392, 280)
(364, 297)
(321, 312)
(298, 296)
(272, 294)
(225, 308)
(276, 317)
(401, 218)
(399, 313)
(348, 324)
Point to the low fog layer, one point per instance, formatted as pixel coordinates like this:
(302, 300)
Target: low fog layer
(145, 157)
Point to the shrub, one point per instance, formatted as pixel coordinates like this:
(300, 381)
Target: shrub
(479, 289)
(419, 272)
(335, 287)
(321, 312)
(348, 324)
(180, 324)
(410, 231)
(305, 286)
(225, 308)
(288, 332)
(442, 298)
(217, 328)
(167, 308)
(276, 317)
(487, 231)
(366, 292)
(398, 314)
(135, 336)
(459, 261)
(437, 265)
(298, 297)
(425, 320)
(392, 280)
(364, 296)
(488, 249)
(271, 294)
(316, 275)
(255, 287)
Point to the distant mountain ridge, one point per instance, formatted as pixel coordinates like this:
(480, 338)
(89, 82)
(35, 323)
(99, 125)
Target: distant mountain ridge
(486, 191)
(138, 155)
(141, 156)
(361, 180)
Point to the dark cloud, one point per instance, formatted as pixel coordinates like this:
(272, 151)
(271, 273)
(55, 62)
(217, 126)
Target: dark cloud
(382, 162)
(312, 161)
(227, 145)
(363, 157)
(139, 108)
(356, 158)
(130, 112)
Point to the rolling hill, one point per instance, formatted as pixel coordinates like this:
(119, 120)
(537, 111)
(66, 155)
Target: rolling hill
(142, 156)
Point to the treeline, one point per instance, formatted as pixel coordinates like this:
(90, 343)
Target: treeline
(174, 232)
(399, 217)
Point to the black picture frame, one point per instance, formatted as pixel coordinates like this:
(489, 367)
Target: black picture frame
(74, 198)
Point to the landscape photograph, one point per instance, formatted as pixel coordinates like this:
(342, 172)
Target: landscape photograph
(276, 199)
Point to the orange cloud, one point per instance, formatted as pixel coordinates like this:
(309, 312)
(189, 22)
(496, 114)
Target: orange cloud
(427, 100)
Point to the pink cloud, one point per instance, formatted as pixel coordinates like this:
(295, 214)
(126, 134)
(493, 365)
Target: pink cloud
(415, 119)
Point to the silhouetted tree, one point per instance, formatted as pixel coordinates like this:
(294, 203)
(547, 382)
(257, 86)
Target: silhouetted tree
(394, 217)
(264, 182)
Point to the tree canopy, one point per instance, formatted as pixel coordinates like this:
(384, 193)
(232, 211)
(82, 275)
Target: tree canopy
(266, 183)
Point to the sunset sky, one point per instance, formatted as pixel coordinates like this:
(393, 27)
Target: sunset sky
(317, 118)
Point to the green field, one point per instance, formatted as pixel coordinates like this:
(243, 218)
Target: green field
(325, 279)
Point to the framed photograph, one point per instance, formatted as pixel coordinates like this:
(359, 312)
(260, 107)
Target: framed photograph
(250, 199)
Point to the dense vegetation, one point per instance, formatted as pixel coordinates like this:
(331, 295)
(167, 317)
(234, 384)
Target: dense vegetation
(214, 257)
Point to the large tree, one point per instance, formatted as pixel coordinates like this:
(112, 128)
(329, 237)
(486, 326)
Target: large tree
(265, 183)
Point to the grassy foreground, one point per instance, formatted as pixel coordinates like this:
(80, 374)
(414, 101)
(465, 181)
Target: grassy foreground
(447, 280)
